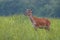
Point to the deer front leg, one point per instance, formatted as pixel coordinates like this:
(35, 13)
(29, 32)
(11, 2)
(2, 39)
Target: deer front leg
(35, 28)
(47, 28)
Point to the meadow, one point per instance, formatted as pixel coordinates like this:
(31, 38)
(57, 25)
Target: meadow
(19, 27)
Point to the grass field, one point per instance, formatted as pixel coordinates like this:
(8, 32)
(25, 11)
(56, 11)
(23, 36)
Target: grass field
(19, 27)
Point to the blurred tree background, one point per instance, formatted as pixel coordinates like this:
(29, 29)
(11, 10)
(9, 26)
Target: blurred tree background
(41, 8)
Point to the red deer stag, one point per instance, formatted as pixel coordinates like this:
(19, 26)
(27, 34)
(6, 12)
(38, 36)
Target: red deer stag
(38, 22)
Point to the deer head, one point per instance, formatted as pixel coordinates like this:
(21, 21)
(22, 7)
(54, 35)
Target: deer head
(28, 12)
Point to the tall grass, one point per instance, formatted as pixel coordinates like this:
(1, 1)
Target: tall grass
(19, 27)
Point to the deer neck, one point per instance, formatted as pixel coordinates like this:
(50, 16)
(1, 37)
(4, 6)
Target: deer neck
(32, 20)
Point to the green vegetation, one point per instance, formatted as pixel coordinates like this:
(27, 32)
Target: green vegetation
(19, 27)
(44, 8)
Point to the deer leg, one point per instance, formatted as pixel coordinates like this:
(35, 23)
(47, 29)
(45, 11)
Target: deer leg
(35, 28)
(47, 28)
(41, 27)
